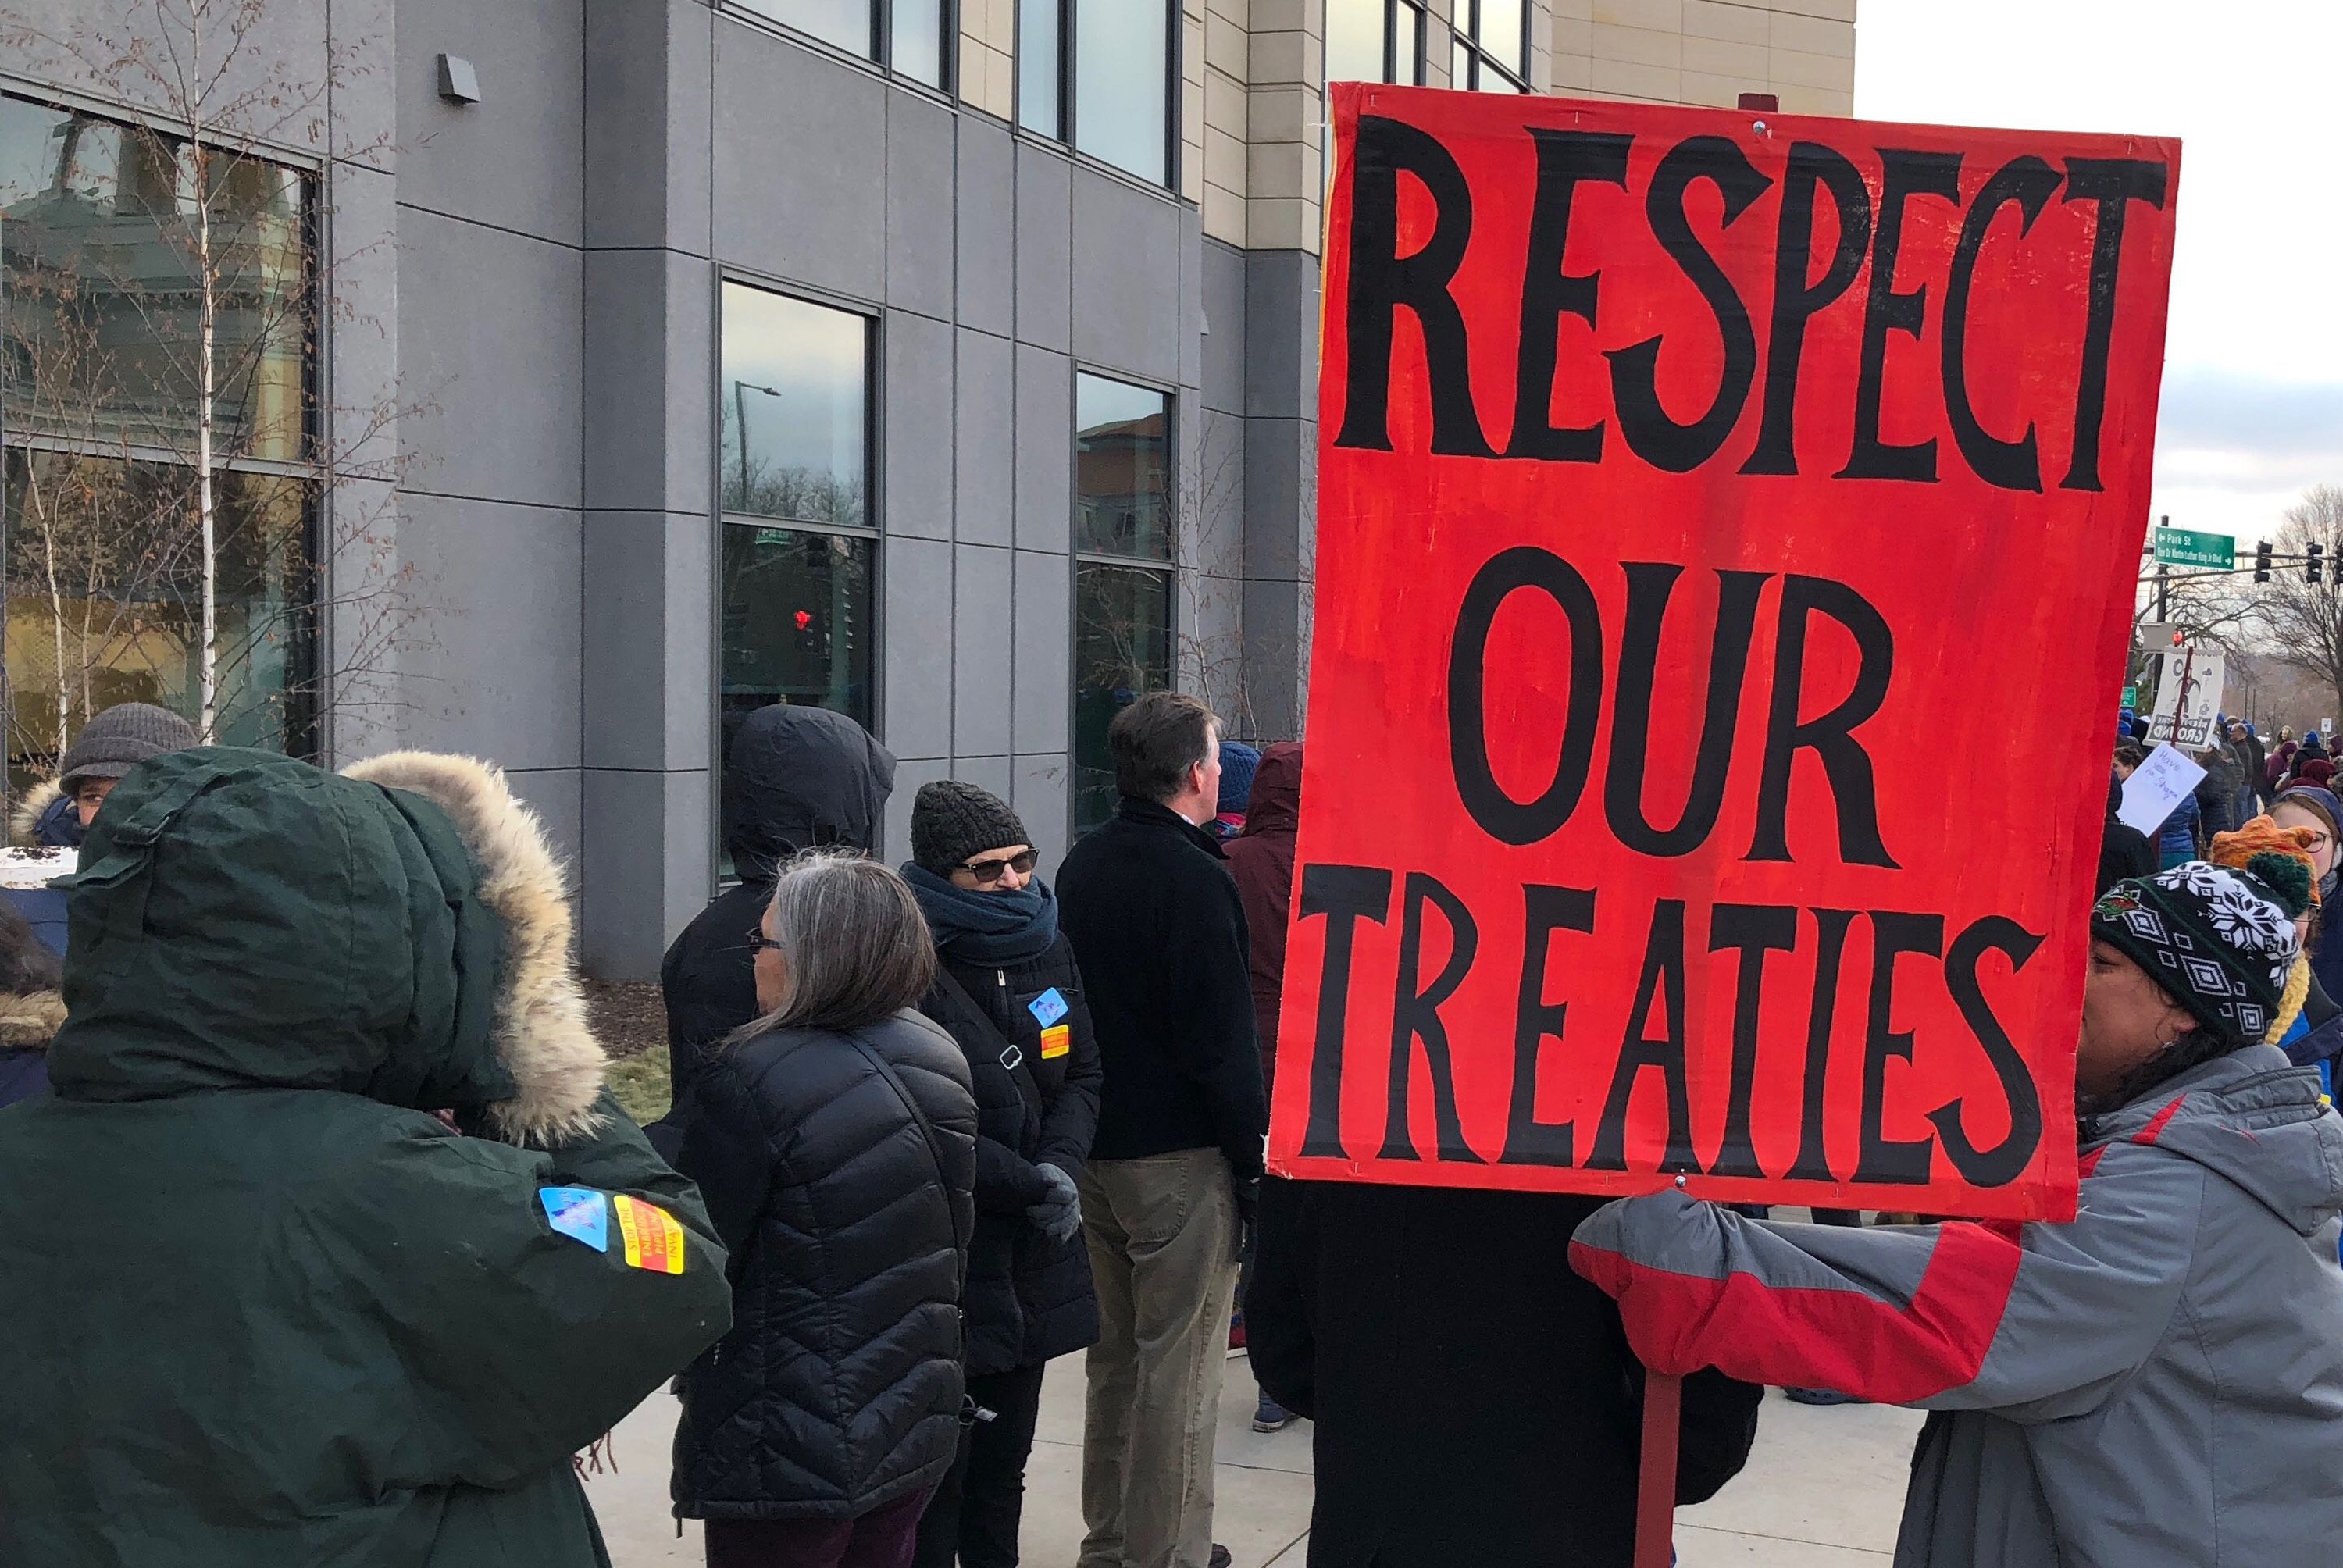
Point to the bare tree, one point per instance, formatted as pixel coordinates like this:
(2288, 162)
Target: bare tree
(174, 448)
(2302, 622)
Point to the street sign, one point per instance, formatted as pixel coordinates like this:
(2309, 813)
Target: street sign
(2130, 697)
(2186, 547)
(2201, 670)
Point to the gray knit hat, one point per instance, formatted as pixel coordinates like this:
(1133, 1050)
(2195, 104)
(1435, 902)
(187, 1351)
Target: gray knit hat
(952, 821)
(118, 740)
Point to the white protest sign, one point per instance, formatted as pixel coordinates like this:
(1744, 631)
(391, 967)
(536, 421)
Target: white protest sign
(2155, 786)
(2200, 669)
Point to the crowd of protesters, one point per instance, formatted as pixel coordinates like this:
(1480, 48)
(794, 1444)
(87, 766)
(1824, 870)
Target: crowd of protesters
(330, 1245)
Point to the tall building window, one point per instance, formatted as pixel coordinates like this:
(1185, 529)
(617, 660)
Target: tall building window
(917, 32)
(1492, 47)
(103, 280)
(1116, 103)
(797, 554)
(1123, 571)
(1375, 41)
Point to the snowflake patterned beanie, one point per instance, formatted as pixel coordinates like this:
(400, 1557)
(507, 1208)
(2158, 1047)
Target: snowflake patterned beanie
(2219, 940)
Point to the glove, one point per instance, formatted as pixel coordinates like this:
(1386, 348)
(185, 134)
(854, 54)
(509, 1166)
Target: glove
(1248, 1197)
(1060, 1215)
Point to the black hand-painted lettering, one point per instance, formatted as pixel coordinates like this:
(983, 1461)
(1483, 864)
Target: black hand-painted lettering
(1545, 910)
(1346, 895)
(1813, 1163)
(1754, 931)
(2113, 184)
(2001, 1165)
(1663, 975)
(1855, 793)
(1415, 1018)
(1502, 818)
(1564, 159)
(1649, 585)
(1882, 1159)
(1811, 166)
(2026, 183)
(1904, 174)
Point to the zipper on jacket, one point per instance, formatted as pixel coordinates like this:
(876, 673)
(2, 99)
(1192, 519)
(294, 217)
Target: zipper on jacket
(1013, 1056)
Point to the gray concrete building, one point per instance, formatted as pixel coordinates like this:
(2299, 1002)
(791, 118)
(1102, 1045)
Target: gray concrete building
(620, 365)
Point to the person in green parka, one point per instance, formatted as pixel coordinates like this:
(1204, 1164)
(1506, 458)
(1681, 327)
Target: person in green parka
(259, 1306)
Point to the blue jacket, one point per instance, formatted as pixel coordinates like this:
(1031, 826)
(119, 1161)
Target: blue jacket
(2179, 834)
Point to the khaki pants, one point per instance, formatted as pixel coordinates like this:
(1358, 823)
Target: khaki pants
(1162, 1234)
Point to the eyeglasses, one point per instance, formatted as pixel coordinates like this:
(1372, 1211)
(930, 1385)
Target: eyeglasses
(758, 941)
(988, 873)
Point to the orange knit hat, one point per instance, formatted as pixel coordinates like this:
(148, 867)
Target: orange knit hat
(2263, 836)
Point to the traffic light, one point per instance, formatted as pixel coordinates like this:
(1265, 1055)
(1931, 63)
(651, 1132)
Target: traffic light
(2262, 562)
(2313, 562)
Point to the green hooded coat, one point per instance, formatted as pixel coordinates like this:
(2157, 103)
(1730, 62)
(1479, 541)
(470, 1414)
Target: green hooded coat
(258, 1308)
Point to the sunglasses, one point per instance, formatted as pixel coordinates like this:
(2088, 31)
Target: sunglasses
(988, 873)
(758, 941)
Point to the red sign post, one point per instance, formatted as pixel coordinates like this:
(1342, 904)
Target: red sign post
(1727, 527)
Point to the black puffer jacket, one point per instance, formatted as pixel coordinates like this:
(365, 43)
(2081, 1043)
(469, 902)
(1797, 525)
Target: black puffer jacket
(795, 778)
(838, 1387)
(1028, 1298)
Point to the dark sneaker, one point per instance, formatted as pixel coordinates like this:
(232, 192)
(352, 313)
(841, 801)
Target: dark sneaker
(1821, 1396)
(1270, 1416)
(1220, 1555)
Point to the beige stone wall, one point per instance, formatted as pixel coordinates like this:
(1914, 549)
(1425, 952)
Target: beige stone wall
(988, 56)
(1707, 52)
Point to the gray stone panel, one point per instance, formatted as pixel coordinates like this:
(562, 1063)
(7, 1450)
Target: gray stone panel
(1044, 665)
(920, 263)
(498, 591)
(1275, 652)
(987, 215)
(649, 649)
(1224, 328)
(984, 619)
(489, 340)
(1282, 334)
(984, 444)
(1044, 253)
(917, 433)
(990, 773)
(916, 719)
(648, 866)
(1126, 272)
(645, 389)
(647, 94)
(800, 163)
(515, 159)
(557, 796)
(1045, 450)
(896, 846)
(1215, 491)
(1038, 791)
(1280, 496)
(364, 369)
(1191, 297)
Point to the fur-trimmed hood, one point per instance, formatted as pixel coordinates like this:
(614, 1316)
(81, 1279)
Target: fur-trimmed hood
(30, 1021)
(24, 818)
(543, 1036)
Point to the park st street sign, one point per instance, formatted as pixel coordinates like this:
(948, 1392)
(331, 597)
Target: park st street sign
(2186, 547)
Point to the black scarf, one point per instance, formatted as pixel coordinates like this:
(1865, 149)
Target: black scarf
(979, 926)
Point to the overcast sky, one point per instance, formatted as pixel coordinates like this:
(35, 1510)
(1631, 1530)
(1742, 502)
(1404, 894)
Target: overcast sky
(2253, 378)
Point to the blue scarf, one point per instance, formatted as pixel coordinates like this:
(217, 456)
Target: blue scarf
(986, 928)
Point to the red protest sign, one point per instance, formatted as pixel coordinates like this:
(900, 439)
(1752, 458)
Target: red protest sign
(1727, 531)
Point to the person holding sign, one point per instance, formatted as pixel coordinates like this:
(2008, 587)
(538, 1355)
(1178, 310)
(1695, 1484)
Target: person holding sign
(1007, 990)
(2157, 1384)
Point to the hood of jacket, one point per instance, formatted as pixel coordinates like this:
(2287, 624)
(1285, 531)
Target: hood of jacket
(30, 1019)
(1275, 805)
(799, 778)
(2254, 1118)
(25, 820)
(243, 919)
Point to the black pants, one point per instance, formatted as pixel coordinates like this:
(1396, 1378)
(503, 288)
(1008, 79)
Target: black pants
(976, 1509)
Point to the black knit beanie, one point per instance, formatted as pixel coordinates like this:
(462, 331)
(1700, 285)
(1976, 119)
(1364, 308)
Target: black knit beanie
(117, 739)
(2219, 942)
(952, 821)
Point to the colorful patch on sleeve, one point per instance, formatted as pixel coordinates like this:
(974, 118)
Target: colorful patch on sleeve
(1056, 1041)
(580, 1213)
(654, 1240)
(1048, 1008)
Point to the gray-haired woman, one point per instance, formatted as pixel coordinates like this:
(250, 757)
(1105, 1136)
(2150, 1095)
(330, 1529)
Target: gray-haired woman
(834, 1139)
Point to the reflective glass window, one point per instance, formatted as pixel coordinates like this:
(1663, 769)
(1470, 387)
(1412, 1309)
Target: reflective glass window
(1040, 62)
(1122, 84)
(794, 410)
(843, 23)
(1122, 647)
(1123, 461)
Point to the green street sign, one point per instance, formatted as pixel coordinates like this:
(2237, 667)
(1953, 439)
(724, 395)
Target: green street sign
(2130, 697)
(2185, 548)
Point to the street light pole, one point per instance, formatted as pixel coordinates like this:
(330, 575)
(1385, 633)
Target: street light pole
(741, 390)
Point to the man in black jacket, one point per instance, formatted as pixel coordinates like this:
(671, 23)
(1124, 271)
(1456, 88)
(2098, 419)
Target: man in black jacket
(1159, 934)
(795, 778)
(1476, 1401)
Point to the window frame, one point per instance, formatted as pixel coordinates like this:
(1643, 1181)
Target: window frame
(1168, 568)
(1063, 136)
(310, 631)
(1465, 40)
(873, 319)
(882, 57)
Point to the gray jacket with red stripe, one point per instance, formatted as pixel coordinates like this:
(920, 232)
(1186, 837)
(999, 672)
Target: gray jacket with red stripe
(2158, 1383)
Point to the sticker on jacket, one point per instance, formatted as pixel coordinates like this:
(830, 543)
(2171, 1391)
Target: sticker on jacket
(579, 1213)
(1048, 1009)
(654, 1240)
(1056, 1041)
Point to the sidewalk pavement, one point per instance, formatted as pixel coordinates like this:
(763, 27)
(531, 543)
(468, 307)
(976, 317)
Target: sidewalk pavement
(1822, 1489)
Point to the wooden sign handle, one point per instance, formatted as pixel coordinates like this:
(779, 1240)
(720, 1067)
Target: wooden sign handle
(1656, 1490)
